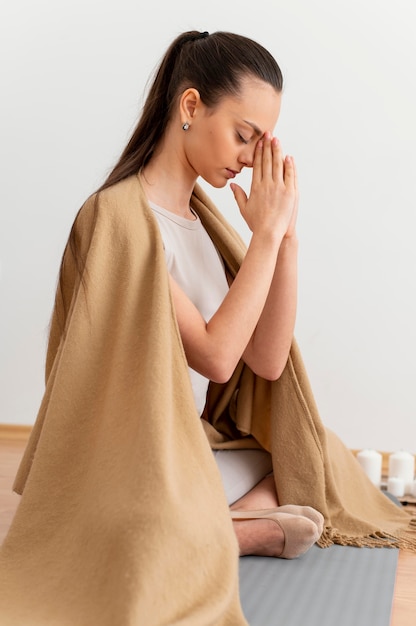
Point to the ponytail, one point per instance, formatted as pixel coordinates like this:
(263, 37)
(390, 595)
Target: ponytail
(214, 65)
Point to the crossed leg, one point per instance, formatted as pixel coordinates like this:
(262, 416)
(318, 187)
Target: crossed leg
(262, 537)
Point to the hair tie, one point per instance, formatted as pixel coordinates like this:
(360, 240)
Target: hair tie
(194, 37)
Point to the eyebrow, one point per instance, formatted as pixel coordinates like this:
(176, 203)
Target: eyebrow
(254, 127)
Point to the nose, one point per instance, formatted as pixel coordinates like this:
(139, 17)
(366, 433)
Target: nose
(247, 156)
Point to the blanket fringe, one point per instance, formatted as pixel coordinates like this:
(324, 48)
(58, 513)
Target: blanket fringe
(402, 539)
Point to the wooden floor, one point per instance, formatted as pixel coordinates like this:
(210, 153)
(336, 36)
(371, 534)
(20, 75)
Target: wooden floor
(12, 444)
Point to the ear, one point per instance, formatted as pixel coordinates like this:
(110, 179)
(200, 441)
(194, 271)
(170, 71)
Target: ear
(188, 105)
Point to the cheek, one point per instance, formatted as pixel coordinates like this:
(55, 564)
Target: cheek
(219, 148)
(207, 152)
(208, 149)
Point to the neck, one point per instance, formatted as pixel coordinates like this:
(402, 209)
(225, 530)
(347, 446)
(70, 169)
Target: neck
(168, 183)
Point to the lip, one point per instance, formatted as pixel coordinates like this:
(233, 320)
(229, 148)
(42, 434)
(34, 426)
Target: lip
(231, 173)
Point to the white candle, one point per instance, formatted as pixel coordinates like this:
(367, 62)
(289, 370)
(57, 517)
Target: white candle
(402, 465)
(371, 461)
(395, 486)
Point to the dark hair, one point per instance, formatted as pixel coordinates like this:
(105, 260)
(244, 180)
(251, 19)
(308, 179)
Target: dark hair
(214, 65)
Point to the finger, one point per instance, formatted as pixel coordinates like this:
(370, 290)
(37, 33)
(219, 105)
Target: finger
(277, 171)
(267, 160)
(257, 162)
(296, 185)
(295, 170)
(289, 173)
(239, 195)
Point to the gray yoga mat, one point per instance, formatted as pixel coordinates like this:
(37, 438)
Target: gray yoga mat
(340, 585)
(336, 586)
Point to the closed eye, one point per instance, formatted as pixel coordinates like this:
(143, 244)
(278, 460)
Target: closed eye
(241, 138)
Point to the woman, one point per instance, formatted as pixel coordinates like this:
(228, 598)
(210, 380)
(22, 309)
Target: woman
(209, 114)
(170, 340)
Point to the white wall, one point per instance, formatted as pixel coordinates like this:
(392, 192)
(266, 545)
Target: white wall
(73, 75)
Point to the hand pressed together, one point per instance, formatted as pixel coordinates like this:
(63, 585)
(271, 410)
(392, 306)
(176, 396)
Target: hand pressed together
(271, 207)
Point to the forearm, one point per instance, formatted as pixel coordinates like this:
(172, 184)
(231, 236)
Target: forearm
(268, 348)
(214, 348)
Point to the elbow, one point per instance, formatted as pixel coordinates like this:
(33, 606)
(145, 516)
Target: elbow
(221, 373)
(267, 364)
(272, 375)
(221, 368)
(217, 367)
(271, 371)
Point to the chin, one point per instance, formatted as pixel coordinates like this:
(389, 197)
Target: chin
(218, 182)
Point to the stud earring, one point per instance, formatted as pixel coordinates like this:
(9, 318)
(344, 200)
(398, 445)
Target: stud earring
(185, 126)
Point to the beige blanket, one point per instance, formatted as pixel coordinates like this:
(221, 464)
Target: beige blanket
(123, 519)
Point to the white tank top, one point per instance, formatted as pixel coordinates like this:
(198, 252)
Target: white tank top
(195, 264)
